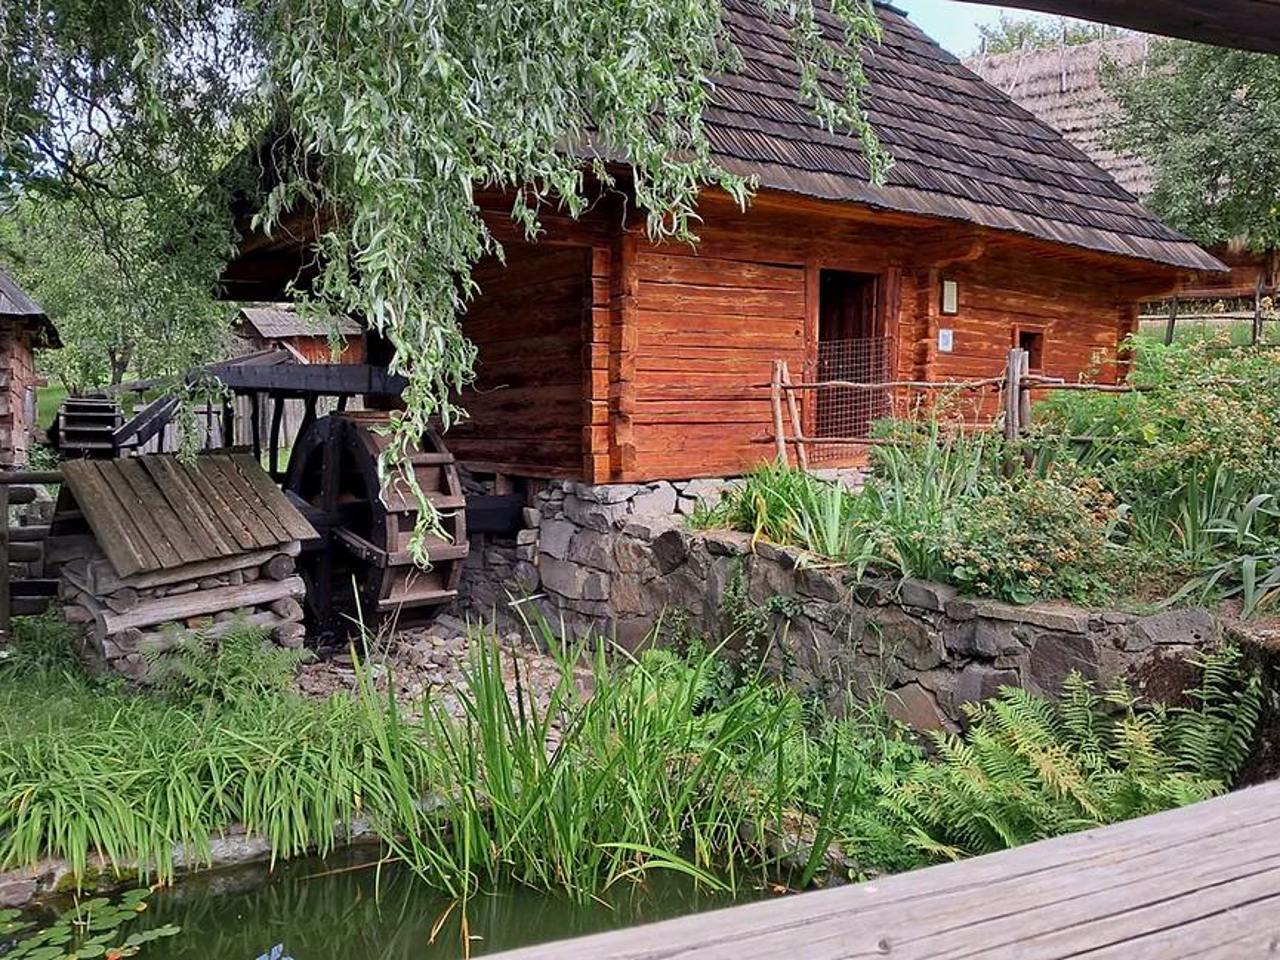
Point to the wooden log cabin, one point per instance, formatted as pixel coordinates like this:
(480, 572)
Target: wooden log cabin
(607, 358)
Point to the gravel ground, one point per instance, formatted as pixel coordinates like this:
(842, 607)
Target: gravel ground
(432, 662)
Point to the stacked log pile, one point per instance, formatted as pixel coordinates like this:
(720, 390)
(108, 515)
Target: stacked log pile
(125, 618)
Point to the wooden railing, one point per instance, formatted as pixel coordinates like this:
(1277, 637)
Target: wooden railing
(1014, 386)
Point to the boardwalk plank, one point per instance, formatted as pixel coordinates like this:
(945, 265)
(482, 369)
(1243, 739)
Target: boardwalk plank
(1204, 878)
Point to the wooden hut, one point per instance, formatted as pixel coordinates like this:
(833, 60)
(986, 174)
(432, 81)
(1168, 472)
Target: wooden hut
(24, 327)
(608, 359)
(169, 546)
(279, 326)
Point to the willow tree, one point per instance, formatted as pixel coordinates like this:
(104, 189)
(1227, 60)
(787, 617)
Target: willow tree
(389, 115)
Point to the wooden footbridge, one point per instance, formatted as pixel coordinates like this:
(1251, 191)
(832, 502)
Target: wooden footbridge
(1202, 882)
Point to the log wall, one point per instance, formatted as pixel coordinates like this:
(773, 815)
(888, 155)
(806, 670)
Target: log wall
(605, 357)
(526, 405)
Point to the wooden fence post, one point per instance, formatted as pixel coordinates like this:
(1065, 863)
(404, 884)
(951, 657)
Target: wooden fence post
(797, 427)
(775, 388)
(1012, 392)
(1024, 392)
(1173, 321)
(5, 605)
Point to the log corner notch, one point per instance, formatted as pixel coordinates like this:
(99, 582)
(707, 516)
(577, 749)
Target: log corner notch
(170, 547)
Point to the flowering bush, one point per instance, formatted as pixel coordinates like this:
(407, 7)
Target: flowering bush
(1033, 537)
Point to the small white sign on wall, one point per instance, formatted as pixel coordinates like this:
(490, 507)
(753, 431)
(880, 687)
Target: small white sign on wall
(946, 340)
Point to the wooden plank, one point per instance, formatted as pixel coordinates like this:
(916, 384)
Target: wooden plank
(105, 518)
(286, 514)
(203, 602)
(141, 523)
(172, 523)
(184, 498)
(254, 509)
(1202, 881)
(222, 507)
(260, 520)
(5, 603)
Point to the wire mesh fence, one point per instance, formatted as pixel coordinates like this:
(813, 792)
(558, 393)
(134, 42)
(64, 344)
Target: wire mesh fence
(848, 413)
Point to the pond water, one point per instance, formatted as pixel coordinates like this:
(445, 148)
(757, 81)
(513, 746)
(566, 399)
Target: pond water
(343, 909)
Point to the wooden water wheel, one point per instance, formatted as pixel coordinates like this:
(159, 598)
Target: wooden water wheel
(365, 570)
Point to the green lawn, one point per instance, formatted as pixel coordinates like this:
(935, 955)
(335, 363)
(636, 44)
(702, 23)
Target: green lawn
(48, 399)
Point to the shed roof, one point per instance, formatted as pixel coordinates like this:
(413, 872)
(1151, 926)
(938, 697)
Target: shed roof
(1063, 87)
(277, 321)
(157, 513)
(963, 149)
(16, 305)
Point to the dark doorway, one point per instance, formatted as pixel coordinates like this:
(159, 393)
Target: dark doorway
(851, 347)
(847, 305)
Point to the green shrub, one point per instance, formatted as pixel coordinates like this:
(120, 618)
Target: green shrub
(1032, 537)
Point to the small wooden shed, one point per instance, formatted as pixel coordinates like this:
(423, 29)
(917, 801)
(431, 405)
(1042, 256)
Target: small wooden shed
(280, 326)
(24, 327)
(167, 544)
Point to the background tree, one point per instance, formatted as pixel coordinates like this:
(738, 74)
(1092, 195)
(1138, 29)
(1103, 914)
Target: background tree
(1207, 119)
(1012, 33)
(123, 304)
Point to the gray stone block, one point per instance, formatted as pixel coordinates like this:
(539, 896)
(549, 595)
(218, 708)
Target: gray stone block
(555, 537)
(925, 594)
(670, 548)
(1055, 655)
(726, 543)
(532, 516)
(528, 535)
(916, 707)
(597, 516)
(634, 558)
(1190, 628)
(607, 493)
(592, 548)
(658, 501)
(573, 581)
(978, 683)
(821, 584)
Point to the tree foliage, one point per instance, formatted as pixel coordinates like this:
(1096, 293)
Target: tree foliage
(1208, 121)
(122, 304)
(390, 115)
(1010, 34)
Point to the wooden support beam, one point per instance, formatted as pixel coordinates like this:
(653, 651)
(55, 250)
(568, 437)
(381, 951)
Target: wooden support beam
(941, 248)
(277, 417)
(255, 425)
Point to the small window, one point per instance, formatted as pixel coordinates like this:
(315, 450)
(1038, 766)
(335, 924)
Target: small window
(1032, 341)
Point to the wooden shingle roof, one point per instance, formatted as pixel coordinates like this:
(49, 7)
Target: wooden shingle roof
(279, 321)
(157, 513)
(16, 305)
(963, 149)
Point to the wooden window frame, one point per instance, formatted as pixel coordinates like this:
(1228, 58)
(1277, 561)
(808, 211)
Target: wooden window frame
(1040, 330)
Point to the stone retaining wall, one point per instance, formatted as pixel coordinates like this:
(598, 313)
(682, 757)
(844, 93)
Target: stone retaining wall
(620, 560)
